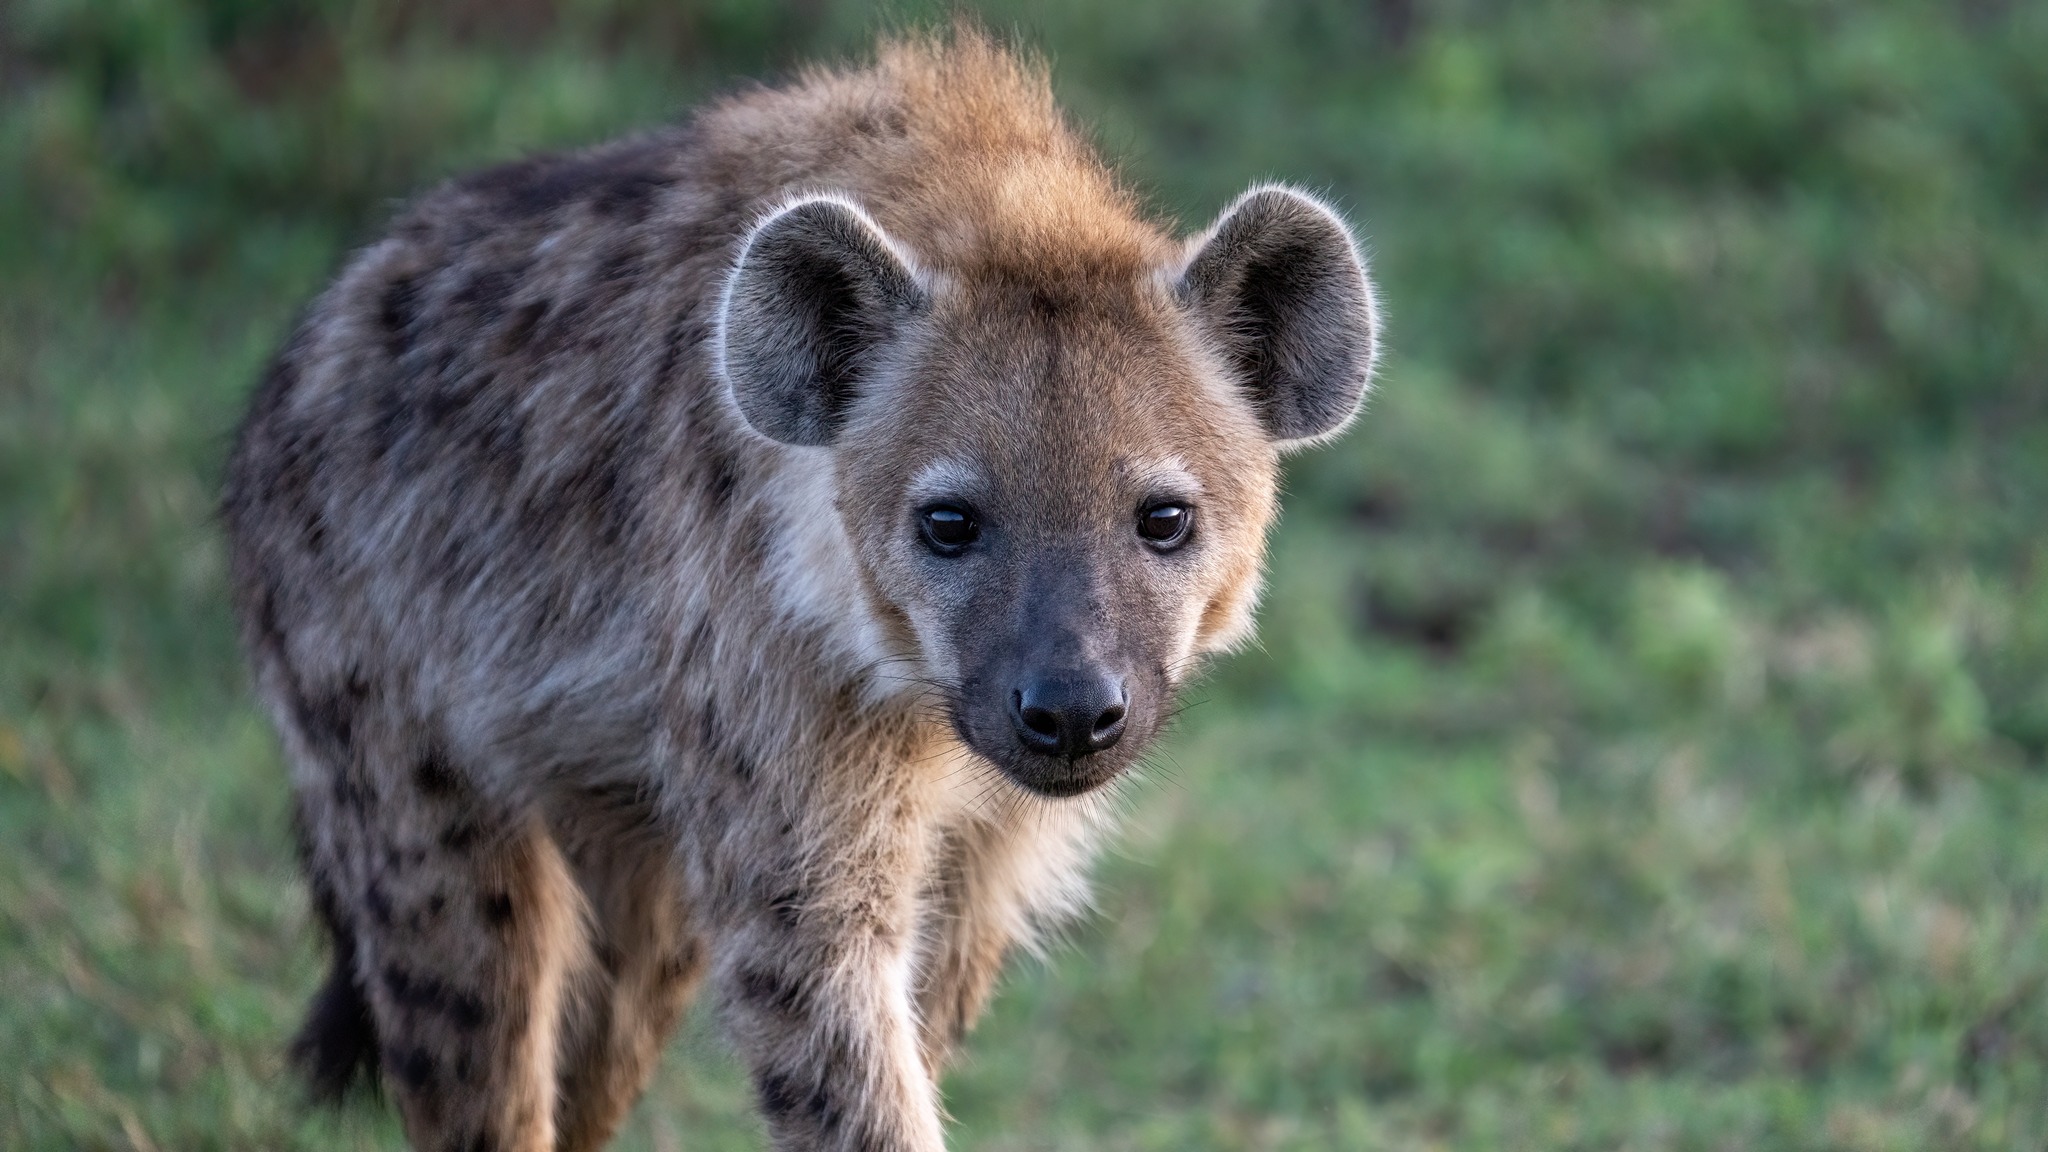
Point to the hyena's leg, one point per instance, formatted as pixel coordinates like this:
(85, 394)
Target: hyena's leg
(815, 930)
(469, 931)
(647, 962)
(968, 929)
(993, 886)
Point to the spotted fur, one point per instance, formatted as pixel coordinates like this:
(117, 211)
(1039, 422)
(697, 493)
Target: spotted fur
(575, 543)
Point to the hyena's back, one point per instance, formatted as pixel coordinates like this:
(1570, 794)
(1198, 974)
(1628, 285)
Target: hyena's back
(459, 446)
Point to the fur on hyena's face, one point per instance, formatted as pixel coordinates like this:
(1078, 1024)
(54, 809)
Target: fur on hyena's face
(1057, 489)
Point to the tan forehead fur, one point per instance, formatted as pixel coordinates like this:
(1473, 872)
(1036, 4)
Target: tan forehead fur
(958, 149)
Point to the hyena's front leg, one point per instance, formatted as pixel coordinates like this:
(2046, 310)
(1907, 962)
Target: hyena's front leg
(648, 959)
(813, 965)
(994, 885)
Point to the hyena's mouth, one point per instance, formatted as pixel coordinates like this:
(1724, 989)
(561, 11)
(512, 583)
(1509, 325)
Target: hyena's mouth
(1073, 784)
(1056, 777)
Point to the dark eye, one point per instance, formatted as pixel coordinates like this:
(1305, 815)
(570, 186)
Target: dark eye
(949, 528)
(1166, 526)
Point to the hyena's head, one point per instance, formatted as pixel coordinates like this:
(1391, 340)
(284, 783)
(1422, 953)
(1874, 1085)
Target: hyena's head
(1057, 481)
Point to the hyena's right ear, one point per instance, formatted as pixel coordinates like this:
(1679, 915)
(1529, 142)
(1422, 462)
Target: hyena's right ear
(1282, 289)
(817, 292)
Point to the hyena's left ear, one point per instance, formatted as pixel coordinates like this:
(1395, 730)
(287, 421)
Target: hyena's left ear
(816, 296)
(1281, 288)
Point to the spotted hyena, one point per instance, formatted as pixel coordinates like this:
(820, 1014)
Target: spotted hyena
(744, 552)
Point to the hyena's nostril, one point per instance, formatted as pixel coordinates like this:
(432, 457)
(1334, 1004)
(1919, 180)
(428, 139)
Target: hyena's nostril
(1041, 721)
(1109, 723)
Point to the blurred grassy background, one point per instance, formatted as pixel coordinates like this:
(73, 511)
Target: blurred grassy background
(1649, 746)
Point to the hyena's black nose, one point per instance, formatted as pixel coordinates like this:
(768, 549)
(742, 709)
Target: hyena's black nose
(1069, 715)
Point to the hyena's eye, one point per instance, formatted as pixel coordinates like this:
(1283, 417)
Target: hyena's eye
(949, 528)
(1166, 526)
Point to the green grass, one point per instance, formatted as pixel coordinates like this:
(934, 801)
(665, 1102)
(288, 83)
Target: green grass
(1648, 747)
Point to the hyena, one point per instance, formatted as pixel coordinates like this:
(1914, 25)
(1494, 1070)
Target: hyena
(743, 553)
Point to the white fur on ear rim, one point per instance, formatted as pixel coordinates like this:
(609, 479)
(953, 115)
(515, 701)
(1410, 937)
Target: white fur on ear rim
(1280, 285)
(815, 293)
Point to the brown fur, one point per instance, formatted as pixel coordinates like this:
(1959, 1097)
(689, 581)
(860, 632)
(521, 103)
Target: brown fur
(590, 690)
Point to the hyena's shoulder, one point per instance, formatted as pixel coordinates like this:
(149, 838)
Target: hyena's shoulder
(482, 417)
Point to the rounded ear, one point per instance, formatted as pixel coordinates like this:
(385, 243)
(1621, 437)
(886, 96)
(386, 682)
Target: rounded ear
(816, 292)
(1281, 288)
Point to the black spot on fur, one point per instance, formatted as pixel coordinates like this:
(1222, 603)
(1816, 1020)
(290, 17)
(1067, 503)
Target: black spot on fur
(321, 724)
(436, 997)
(350, 795)
(694, 645)
(1044, 308)
(328, 718)
(789, 1096)
(601, 486)
(379, 903)
(630, 196)
(462, 835)
(520, 326)
(269, 636)
(781, 1095)
(436, 777)
(485, 293)
(788, 906)
(497, 909)
(707, 728)
(415, 1068)
(620, 182)
(721, 479)
(617, 796)
(397, 310)
(445, 404)
(773, 991)
(887, 124)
